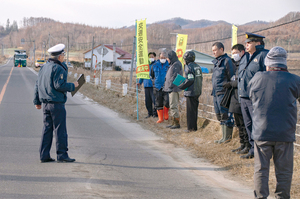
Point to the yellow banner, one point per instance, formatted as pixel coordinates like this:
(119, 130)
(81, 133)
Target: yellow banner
(181, 46)
(234, 35)
(142, 63)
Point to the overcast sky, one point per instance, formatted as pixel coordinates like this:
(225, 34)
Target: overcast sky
(119, 13)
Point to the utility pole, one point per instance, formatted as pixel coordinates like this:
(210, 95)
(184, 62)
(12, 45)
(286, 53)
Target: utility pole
(33, 52)
(132, 60)
(68, 52)
(91, 68)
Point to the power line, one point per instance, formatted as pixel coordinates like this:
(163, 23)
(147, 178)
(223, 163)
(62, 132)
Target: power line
(282, 24)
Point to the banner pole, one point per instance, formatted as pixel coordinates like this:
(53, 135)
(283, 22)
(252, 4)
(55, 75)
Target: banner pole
(137, 89)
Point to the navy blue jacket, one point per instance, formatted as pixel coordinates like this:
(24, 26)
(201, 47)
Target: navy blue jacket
(223, 71)
(147, 82)
(273, 95)
(248, 68)
(158, 73)
(52, 86)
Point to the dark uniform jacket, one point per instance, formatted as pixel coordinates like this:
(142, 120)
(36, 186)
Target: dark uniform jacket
(235, 106)
(193, 82)
(158, 73)
(223, 71)
(273, 95)
(174, 69)
(52, 86)
(248, 68)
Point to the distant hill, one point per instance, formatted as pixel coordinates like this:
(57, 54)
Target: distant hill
(187, 24)
(48, 32)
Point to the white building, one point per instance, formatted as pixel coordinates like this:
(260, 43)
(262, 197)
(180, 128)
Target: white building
(122, 58)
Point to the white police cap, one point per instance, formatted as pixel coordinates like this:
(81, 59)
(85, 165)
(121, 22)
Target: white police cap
(57, 49)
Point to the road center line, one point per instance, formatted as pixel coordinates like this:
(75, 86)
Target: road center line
(5, 85)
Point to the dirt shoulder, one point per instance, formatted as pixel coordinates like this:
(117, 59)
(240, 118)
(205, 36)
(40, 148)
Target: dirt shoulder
(200, 143)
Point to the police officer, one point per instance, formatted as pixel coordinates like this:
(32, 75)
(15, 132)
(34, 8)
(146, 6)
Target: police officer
(51, 91)
(248, 68)
(192, 87)
(222, 73)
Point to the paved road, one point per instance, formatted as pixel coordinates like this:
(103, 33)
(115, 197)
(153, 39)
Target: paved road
(115, 158)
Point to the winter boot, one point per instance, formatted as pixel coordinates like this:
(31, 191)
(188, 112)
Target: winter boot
(166, 113)
(173, 123)
(223, 134)
(239, 149)
(228, 134)
(176, 124)
(160, 114)
(246, 149)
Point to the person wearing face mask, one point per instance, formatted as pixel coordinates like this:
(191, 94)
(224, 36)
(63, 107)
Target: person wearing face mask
(148, 87)
(247, 69)
(238, 51)
(174, 69)
(157, 75)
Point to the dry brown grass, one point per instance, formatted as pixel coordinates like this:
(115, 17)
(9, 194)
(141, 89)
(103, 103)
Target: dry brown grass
(200, 143)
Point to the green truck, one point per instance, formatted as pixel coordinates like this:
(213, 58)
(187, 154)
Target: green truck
(20, 58)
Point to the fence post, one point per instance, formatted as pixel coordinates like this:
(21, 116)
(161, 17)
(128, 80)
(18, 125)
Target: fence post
(88, 78)
(96, 81)
(108, 84)
(125, 86)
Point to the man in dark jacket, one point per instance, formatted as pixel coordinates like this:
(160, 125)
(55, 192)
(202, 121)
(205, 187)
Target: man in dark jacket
(247, 69)
(238, 51)
(192, 87)
(274, 94)
(51, 91)
(223, 71)
(158, 74)
(174, 69)
(148, 87)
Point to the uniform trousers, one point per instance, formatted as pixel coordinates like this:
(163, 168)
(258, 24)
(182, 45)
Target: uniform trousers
(282, 153)
(54, 122)
(161, 99)
(174, 103)
(247, 111)
(149, 100)
(192, 104)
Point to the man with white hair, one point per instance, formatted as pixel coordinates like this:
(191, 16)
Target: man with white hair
(51, 91)
(273, 94)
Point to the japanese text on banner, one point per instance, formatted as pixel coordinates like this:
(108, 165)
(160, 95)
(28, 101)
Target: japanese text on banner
(142, 69)
(234, 35)
(181, 46)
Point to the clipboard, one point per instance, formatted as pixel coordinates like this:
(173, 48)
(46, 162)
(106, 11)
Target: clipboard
(179, 80)
(80, 81)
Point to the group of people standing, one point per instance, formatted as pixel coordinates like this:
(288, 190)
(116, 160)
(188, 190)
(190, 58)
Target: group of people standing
(165, 95)
(262, 97)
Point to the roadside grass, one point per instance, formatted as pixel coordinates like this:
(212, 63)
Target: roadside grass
(200, 143)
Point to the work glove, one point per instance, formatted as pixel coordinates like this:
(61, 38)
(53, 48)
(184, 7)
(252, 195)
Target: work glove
(227, 85)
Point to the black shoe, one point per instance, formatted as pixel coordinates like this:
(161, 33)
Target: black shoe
(148, 116)
(48, 160)
(66, 160)
(239, 149)
(247, 156)
(175, 126)
(244, 151)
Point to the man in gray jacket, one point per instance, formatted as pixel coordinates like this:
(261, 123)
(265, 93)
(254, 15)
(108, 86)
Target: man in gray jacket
(273, 94)
(174, 69)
